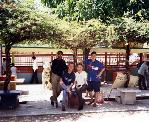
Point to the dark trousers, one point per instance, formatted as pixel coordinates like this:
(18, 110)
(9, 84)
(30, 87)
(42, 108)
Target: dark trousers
(79, 93)
(142, 82)
(34, 77)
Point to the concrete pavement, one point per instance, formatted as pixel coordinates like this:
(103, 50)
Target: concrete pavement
(39, 104)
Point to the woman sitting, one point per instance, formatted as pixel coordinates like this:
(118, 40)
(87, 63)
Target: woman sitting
(81, 83)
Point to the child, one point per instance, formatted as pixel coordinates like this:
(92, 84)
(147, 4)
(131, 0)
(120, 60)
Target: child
(67, 82)
(81, 81)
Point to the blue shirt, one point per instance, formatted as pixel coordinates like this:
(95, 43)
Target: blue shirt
(93, 69)
(68, 78)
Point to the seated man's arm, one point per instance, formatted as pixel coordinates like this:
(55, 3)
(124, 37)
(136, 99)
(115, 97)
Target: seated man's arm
(61, 82)
(72, 85)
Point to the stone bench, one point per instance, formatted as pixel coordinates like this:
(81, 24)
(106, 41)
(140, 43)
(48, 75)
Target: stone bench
(12, 84)
(127, 96)
(9, 99)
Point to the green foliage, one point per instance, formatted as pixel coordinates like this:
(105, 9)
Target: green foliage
(139, 9)
(84, 35)
(86, 28)
(120, 7)
(128, 30)
(52, 3)
(103, 10)
(21, 21)
(83, 10)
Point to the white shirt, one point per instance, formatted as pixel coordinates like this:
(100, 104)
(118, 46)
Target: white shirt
(35, 65)
(143, 69)
(81, 78)
(14, 71)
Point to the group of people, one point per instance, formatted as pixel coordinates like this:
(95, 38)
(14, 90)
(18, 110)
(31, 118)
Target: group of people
(13, 69)
(65, 79)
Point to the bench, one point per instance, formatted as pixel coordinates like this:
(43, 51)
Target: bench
(127, 96)
(9, 99)
(12, 84)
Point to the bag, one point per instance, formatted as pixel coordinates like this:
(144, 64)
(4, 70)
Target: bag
(73, 100)
(100, 98)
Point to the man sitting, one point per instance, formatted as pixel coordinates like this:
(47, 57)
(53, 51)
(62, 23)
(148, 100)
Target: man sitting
(66, 82)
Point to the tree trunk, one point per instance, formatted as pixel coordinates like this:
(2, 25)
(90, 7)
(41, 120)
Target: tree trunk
(127, 56)
(127, 65)
(8, 71)
(86, 52)
(75, 56)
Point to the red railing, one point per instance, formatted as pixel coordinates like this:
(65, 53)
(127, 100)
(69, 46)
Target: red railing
(111, 61)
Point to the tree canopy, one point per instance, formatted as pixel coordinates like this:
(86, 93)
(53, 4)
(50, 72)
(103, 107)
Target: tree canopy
(21, 21)
(104, 10)
(127, 30)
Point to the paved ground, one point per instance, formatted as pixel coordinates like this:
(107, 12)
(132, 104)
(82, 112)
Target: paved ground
(38, 109)
(38, 92)
(84, 117)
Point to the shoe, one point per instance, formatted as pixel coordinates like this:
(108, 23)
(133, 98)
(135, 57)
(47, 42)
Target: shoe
(52, 103)
(94, 105)
(80, 108)
(56, 104)
(63, 108)
(91, 102)
(140, 88)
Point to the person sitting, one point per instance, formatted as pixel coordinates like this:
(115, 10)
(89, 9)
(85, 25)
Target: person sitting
(66, 83)
(81, 83)
(13, 70)
(4, 66)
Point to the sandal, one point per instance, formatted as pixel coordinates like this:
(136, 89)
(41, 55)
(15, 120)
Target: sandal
(90, 102)
(94, 105)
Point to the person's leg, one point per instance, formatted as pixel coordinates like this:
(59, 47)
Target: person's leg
(65, 98)
(90, 91)
(96, 87)
(36, 77)
(32, 79)
(140, 81)
(54, 82)
(64, 87)
(147, 79)
(57, 89)
(143, 83)
(83, 88)
(79, 93)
